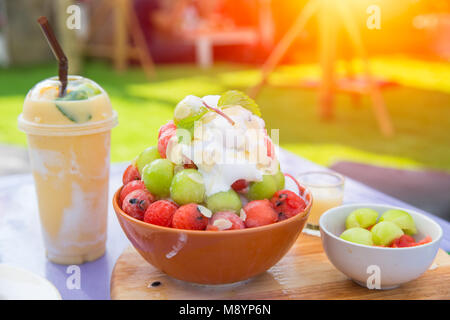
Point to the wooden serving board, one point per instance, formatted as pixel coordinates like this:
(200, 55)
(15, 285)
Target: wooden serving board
(304, 273)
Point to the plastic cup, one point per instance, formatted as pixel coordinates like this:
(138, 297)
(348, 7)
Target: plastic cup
(69, 148)
(327, 189)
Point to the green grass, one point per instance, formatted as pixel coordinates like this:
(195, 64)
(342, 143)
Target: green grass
(420, 110)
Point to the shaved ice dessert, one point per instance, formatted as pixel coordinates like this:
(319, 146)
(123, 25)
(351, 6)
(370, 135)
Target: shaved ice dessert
(214, 168)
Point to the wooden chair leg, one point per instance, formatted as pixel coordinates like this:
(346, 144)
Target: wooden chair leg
(99, 15)
(204, 52)
(281, 48)
(327, 36)
(350, 75)
(139, 40)
(379, 107)
(120, 40)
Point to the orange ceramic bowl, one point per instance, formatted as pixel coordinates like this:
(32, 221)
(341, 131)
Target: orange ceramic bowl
(212, 257)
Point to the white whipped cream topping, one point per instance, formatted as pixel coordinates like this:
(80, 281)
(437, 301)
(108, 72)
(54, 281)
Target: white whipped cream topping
(224, 152)
(211, 100)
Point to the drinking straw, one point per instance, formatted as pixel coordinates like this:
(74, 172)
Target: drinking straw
(218, 112)
(63, 63)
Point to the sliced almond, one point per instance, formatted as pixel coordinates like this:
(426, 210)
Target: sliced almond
(243, 215)
(222, 224)
(205, 211)
(173, 150)
(208, 117)
(197, 177)
(177, 168)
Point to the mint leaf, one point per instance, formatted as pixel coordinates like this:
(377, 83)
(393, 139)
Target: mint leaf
(235, 97)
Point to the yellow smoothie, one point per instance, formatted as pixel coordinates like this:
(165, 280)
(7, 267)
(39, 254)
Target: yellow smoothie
(69, 147)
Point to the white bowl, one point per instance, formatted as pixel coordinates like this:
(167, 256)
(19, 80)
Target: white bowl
(378, 267)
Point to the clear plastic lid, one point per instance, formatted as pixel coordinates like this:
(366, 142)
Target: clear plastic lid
(84, 109)
(78, 88)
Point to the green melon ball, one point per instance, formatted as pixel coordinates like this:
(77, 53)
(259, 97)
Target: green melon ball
(402, 219)
(384, 232)
(157, 177)
(358, 235)
(362, 218)
(224, 201)
(279, 179)
(187, 187)
(263, 189)
(187, 111)
(147, 156)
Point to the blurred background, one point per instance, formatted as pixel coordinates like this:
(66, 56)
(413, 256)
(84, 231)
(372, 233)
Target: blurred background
(360, 86)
